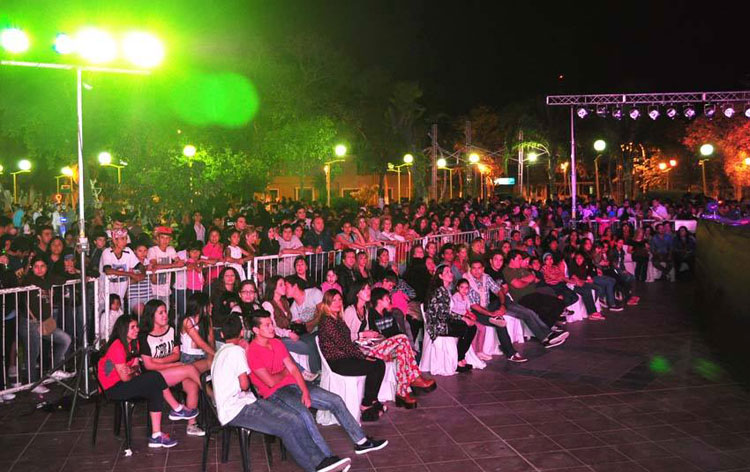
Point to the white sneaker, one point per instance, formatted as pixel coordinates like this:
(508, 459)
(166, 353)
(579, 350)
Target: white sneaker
(40, 389)
(62, 375)
(7, 397)
(309, 376)
(195, 430)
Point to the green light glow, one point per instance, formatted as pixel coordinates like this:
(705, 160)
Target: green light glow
(105, 158)
(659, 364)
(189, 151)
(143, 49)
(224, 99)
(340, 150)
(96, 46)
(707, 369)
(24, 165)
(14, 40)
(64, 44)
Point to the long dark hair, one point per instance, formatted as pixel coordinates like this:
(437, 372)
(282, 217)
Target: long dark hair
(436, 282)
(198, 304)
(351, 296)
(147, 317)
(219, 282)
(120, 331)
(271, 287)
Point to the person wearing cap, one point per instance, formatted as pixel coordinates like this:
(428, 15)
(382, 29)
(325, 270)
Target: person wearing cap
(160, 257)
(118, 263)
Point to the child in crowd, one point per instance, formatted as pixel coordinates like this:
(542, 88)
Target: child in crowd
(331, 282)
(233, 253)
(108, 317)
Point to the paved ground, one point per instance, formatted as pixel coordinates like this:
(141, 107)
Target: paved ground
(638, 392)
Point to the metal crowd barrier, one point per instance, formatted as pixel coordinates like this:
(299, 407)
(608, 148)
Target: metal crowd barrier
(27, 354)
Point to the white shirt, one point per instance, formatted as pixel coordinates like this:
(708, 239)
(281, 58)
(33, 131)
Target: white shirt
(200, 232)
(161, 287)
(180, 282)
(126, 262)
(229, 363)
(305, 312)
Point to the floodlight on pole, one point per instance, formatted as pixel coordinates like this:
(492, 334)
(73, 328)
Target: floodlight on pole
(14, 40)
(24, 167)
(105, 158)
(473, 158)
(67, 171)
(340, 150)
(441, 163)
(64, 44)
(662, 166)
(707, 149)
(532, 157)
(95, 45)
(408, 159)
(189, 151)
(143, 49)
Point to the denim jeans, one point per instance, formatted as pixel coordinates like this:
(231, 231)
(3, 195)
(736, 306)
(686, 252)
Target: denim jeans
(605, 285)
(270, 418)
(29, 332)
(529, 317)
(290, 397)
(305, 345)
(588, 298)
(506, 345)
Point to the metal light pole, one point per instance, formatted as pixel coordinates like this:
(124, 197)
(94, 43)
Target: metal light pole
(706, 150)
(340, 150)
(599, 146)
(24, 167)
(443, 164)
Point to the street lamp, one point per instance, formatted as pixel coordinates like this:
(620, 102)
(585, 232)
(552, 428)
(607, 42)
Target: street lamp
(105, 160)
(189, 151)
(443, 164)
(408, 162)
(24, 167)
(746, 161)
(340, 151)
(706, 151)
(473, 158)
(14, 40)
(65, 173)
(599, 146)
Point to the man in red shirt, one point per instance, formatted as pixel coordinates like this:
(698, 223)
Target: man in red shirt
(278, 380)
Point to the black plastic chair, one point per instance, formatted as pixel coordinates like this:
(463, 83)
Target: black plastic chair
(212, 425)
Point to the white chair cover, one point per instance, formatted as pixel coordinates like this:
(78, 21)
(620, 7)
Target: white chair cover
(352, 389)
(517, 330)
(490, 345)
(303, 360)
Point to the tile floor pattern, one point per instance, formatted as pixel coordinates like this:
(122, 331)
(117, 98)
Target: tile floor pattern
(639, 392)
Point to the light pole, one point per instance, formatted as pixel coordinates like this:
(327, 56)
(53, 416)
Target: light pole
(443, 164)
(105, 160)
(408, 161)
(564, 167)
(706, 150)
(599, 146)
(189, 152)
(24, 167)
(473, 160)
(97, 47)
(340, 151)
(65, 173)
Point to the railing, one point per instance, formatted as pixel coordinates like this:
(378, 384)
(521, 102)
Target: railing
(27, 353)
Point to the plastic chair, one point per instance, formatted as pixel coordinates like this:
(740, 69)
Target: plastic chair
(351, 389)
(440, 357)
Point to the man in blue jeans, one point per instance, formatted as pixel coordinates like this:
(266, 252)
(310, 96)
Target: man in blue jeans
(237, 406)
(278, 380)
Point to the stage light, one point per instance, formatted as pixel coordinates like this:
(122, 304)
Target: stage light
(143, 49)
(689, 112)
(64, 44)
(582, 112)
(96, 46)
(671, 112)
(14, 40)
(728, 110)
(601, 111)
(709, 109)
(634, 113)
(747, 110)
(617, 112)
(442, 162)
(653, 112)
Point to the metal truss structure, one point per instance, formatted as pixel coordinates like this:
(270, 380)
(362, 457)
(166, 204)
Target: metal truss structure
(649, 98)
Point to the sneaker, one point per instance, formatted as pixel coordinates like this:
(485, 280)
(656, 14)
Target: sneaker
(62, 375)
(518, 358)
(556, 329)
(195, 430)
(370, 445)
(310, 376)
(184, 414)
(40, 389)
(162, 441)
(616, 308)
(334, 463)
(597, 317)
(7, 396)
(555, 339)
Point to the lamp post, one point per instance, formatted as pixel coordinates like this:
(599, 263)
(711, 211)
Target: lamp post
(65, 173)
(105, 160)
(706, 150)
(24, 167)
(564, 167)
(599, 146)
(443, 164)
(189, 152)
(408, 162)
(97, 47)
(340, 151)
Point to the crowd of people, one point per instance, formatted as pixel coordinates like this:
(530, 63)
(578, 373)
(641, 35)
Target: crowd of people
(183, 302)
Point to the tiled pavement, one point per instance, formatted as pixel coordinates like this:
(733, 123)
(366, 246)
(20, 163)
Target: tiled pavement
(639, 392)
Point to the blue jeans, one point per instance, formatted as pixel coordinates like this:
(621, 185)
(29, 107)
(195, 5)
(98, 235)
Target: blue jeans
(305, 345)
(588, 299)
(270, 418)
(290, 397)
(605, 285)
(529, 317)
(29, 333)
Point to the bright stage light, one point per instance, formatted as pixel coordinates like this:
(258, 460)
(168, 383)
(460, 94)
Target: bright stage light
(600, 145)
(582, 112)
(143, 49)
(64, 44)
(709, 109)
(340, 150)
(14, 40)
(747, 110)
(617, 112)
(728, 110)
(653, 112)
(707, 149)
(634, 113)
(67, 171)
(105, 158)
(96, 46)
(671, 112)
(442, 162)
(689, 112)
(601, 111)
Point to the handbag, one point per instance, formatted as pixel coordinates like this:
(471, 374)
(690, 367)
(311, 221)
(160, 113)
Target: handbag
(48, 326)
